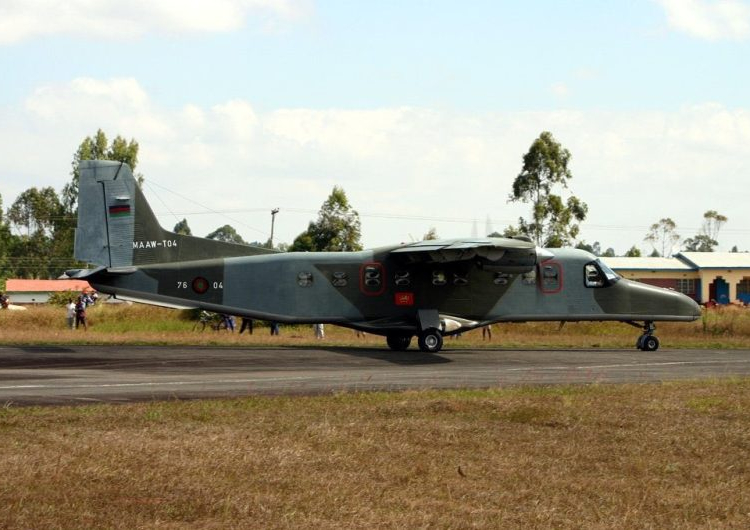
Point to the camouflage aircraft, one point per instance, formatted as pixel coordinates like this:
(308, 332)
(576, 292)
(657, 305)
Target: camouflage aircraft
(428, 289)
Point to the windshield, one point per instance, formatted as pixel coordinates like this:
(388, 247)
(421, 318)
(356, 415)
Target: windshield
(611, 275)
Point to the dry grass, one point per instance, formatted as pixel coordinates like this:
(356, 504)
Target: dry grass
(139, 324)
(634, 456)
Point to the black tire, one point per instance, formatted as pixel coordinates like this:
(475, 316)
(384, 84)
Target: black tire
(650, 343)
(398, 342)
(430, 341)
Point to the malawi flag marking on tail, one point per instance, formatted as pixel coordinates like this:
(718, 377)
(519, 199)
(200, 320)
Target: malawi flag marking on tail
(119, 210)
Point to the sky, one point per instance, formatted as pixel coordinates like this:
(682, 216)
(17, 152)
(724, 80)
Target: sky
(420, 110)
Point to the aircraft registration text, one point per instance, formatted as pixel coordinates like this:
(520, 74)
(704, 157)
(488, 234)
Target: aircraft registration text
(164, 243)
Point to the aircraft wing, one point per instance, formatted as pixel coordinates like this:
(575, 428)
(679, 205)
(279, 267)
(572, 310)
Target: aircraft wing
(499, 252)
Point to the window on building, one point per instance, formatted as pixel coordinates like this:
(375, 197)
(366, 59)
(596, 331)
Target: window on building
(686, 286)
(743, 287)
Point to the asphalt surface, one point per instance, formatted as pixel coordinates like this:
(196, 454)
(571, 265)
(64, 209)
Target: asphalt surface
(80, 374)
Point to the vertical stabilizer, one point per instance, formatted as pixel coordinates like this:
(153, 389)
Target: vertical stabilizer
(106, 192)
(117, 228)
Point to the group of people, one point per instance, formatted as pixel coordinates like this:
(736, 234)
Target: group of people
(76, 311)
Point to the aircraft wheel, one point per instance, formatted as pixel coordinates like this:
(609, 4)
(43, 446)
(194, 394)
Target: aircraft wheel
(398, 342)
(430, 341)
(650, 343)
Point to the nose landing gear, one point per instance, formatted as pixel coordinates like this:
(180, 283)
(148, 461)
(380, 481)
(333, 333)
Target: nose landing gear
(648, 341)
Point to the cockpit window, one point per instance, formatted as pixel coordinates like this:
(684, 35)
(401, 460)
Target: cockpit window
(597, 274)
(609, 274)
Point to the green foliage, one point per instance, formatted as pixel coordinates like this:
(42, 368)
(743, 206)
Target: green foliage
(336, 229)
(182, 228)
(633, 252)
(706, 239)
(63, 298)
(97, 148)
(554, 222)
(227, 234)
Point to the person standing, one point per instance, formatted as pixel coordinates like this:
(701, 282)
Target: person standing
(81, 313)
(320, 332)
(247, 323)
(70, 309)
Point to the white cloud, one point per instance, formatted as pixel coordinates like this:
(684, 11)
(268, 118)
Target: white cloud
(560, 90)
(631, 167)
(709, 19)
(113, 19)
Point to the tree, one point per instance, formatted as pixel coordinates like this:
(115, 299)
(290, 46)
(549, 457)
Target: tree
(97, 148)
(706, 239)
(609, 253)
(36, 210)
(430, 235)
(554, 222)
(634, 252)
(37, 216)
(663, 236)
(182, 228)
(227, 234)
(336, 229)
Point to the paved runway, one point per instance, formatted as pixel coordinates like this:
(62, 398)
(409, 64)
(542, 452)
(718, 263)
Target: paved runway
(78, 374)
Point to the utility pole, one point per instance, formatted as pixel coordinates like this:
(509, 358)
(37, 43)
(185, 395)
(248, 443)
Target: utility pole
(273, 219)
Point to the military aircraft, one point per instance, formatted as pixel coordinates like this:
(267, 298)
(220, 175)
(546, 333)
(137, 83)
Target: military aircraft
(428, 289)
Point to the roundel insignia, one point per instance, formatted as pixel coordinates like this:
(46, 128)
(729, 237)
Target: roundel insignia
(200, 285)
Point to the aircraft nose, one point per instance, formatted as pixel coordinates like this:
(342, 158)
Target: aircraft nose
(691, 307)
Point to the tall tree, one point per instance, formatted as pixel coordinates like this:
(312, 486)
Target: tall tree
(663, 237)
(97, 148)
(336, 229)
(36, 210)
(707, 236)
(182, 228)
(554, 222)
(228, 234)
(431, 234)
(5, 244)
(37, 216)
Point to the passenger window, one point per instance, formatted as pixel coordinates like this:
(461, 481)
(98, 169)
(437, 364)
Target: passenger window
(592, 276)
(372, 276)
(372, 280)
(501, 278)
(340, 279)
(402, 278)
(304, 279)
(460, 279)
(551, 278)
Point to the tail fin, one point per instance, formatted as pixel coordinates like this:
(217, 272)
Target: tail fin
(116, 227)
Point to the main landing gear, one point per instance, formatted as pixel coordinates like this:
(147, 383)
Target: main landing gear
(647, 341)
(430, 341)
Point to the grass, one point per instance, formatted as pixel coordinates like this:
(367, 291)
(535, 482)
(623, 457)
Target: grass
(139, 324)
(673, 455)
